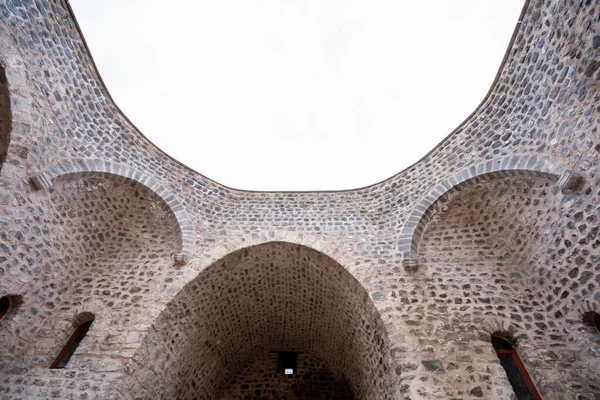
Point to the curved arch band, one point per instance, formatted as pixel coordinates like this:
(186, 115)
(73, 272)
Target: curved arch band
(498, 167)
(89, 167)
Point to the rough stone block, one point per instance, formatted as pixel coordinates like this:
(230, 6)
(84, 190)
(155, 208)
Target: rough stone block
(5, 197)
(11, 171)
(433, 366)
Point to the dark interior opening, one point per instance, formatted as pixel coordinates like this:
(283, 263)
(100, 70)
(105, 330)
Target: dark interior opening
(4, 306)
(69, 349)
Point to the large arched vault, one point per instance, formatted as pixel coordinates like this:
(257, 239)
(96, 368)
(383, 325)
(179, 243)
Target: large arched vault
(254, 302)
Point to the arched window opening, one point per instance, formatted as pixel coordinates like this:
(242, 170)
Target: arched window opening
(4, 306)
(68, 350)
(593, 319)
(515, 370)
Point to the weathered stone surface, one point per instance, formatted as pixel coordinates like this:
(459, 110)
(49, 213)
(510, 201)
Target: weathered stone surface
(499, 247)
(433, 366)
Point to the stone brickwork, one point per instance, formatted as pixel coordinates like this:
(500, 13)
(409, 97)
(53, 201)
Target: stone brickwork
(390, 291)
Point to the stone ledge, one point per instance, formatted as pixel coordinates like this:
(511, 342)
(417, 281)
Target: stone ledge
(41, 181)
(180, 259)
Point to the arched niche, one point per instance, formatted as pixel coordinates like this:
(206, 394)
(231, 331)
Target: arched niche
(489, 231)
(116, 240)
(82, 168)
(262, 299)
(515, 167)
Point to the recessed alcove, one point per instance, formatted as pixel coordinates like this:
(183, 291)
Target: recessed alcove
(111, 247)
(230, 322)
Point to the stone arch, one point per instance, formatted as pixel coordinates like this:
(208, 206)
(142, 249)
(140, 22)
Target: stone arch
(524, 350)
(88, 167)
(275, 296)
(5, 117)
(588, 306)
(314, 242)
(499, 167)
(72, 345)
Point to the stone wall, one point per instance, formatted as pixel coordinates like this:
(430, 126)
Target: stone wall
(101, 253)
(92, 216)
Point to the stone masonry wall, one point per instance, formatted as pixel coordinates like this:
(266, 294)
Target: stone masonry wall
(271, 297)
(313, 381)
(91, 259)
(518, 253)
(477, 250)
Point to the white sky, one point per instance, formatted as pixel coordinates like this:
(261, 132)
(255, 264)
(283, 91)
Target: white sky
(297, 94)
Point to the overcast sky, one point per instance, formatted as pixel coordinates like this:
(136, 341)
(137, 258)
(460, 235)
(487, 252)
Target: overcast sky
(297, 94)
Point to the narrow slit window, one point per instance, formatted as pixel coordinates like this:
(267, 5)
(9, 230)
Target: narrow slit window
(287, 362)
(4, 306)
(67, 351)
(515, 370)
